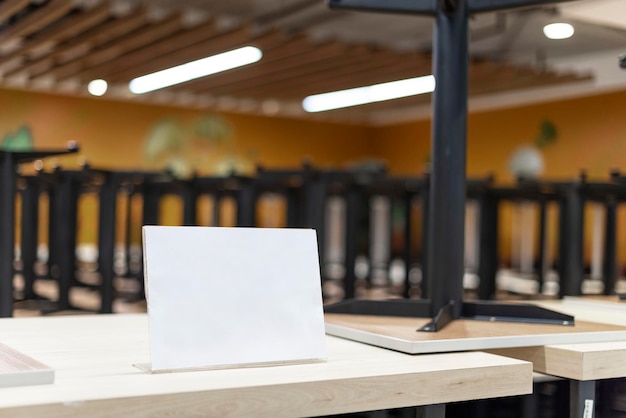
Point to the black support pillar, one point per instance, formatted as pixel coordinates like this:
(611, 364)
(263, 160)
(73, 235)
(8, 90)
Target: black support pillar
(7, 232)
(447, 191)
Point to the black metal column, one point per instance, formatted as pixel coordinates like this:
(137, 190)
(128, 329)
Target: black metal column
(488, 256)
(295, 208)
(7, 232)
(315, 191)
(106, 241)
(542, 261)
(432, 411)
(609, 272)
(30, 229)
(582, 398)
(351, 245)
(408, 248)
(189, 196)
(426, 276)
(65, 213)
(571, 265)
(447, 187)
(246, 204)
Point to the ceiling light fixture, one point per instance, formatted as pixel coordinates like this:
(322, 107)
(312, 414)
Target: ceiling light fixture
(558, 31)
(195, 69)
(97, 87)
(369, 94)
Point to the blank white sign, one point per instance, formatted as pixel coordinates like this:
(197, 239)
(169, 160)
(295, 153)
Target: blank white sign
(220, 297)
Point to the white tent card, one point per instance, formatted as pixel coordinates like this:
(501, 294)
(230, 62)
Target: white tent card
(222, 297)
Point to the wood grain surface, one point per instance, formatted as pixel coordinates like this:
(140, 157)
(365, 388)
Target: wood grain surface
(593, 361)
(18, 369)
(94, 356)
(401, 333)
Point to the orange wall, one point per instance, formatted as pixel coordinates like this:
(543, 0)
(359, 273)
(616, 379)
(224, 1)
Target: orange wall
(592, 137)
(113, 134)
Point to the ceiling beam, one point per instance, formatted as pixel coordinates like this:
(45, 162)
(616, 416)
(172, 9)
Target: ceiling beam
(250, 76)
(83, 43)
(275, 45)
(37, 19)
(65, 28)
(10, 8)
(353, 62)
(122, 45)
(355, 78)
(217, 43)
(153, 56)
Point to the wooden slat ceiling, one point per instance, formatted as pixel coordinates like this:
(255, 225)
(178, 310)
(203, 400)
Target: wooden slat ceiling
(61, 45)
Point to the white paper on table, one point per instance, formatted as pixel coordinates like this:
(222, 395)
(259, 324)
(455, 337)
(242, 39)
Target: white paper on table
(220, 297)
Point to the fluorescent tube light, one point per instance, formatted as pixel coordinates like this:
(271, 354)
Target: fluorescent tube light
(369, 94)
(97, 87)
(558, 31)
(195, 69)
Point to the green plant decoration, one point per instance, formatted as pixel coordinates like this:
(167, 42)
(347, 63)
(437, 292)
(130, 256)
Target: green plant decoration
(527, 161)
(548, 134)
(214, 130)
(181, 148)
(167, 137)
(21, 140)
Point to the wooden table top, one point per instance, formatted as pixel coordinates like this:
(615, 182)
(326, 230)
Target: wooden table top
(583, 361)
(93, 357)
(400, 333)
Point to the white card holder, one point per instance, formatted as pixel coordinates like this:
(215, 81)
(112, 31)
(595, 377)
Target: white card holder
(232, 297)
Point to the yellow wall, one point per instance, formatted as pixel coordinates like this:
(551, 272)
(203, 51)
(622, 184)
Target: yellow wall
(112, 134)
(592, 137)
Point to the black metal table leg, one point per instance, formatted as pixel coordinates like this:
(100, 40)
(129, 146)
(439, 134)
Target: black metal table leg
(246, 204)
(30, 228)
(190, 202)
(447, 181)
(432, 411)
(445, 259)
(65, 216)
(571, 272)
(106, 241)
(351, 244)
(8, 176)
(7, 232)
(488, 255)
(582, 398)
(610, 270)
(407, 251)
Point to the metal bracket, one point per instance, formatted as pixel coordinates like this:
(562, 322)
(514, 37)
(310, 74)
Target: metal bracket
(478, 311)
(443, 318)
(513, 312)
(394, 307)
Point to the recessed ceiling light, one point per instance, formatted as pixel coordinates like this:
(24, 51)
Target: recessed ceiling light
(558, 30)
(369, 94)
(195, 69)
(97, 87)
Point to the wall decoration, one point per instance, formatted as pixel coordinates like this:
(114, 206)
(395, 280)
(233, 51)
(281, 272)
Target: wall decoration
(527, 161)
(182, 148)
(20, 140)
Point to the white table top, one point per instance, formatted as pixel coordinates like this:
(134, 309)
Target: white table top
(93, 356)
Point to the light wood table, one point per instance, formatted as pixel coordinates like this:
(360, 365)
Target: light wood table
(93, 357)
(583, 363)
